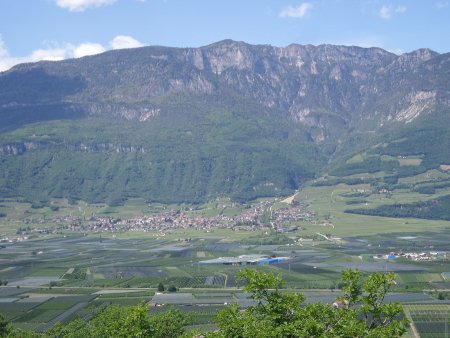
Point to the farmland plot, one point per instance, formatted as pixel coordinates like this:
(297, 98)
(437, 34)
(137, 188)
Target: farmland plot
(34, 281)
(127, 271)
(14, 310)
(215, 280)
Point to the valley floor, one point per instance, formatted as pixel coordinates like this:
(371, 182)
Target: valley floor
(63, 263)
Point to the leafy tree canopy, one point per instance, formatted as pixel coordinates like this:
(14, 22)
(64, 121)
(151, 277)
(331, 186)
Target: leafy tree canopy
(281, 314)
(119, 321)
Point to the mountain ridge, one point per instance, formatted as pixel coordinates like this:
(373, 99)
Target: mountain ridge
(198, 108)
(210, 68)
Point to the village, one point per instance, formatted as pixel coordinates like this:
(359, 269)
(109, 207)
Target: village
(258, 217)
(415, 256)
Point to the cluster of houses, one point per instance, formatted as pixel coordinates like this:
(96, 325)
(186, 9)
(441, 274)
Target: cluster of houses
(284, 216)
(244, 260)
(13, 239)
(416, 256)
(257, 217)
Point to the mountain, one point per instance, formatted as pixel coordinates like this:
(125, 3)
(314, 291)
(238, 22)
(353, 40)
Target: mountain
(227, 119)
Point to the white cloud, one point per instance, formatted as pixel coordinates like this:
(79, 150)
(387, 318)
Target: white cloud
(86, 49)
(297, 12)
(387, 11)
(50, 54)
(125, 41)
(56, 52)
(81, 5)
(5, 59)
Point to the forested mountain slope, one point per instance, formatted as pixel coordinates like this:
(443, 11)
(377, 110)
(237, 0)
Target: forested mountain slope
(227, 119)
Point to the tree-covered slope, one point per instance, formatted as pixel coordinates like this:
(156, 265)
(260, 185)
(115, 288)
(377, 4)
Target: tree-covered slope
(200, 149)
(427, 140)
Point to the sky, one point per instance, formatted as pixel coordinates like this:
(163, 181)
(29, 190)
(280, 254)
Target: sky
(34, 30)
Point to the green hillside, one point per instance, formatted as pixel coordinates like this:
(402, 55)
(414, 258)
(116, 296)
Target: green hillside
(230, 119)
(197, 149)
(400, 150)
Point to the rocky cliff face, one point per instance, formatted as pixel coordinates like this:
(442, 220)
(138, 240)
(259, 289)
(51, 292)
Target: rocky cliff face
(328, 88)
(19, 148)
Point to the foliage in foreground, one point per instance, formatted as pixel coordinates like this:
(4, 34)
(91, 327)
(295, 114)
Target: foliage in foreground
(281, 314)
(118, 321)
(7, 330)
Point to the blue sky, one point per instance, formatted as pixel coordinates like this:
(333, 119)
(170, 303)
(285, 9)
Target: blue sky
(33, 30)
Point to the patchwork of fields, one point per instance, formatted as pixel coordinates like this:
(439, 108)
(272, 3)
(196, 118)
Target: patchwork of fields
(56, 277)
(75, 275)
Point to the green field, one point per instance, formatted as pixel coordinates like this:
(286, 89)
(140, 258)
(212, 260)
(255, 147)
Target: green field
(430, 320)
(330, 203)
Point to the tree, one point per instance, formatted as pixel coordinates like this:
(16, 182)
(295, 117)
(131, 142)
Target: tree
(4, 327)
(168, 324)
(172, 288)
(161, 287)
(131, 321)
(281, 314)
(379, 317)
(7, 330)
